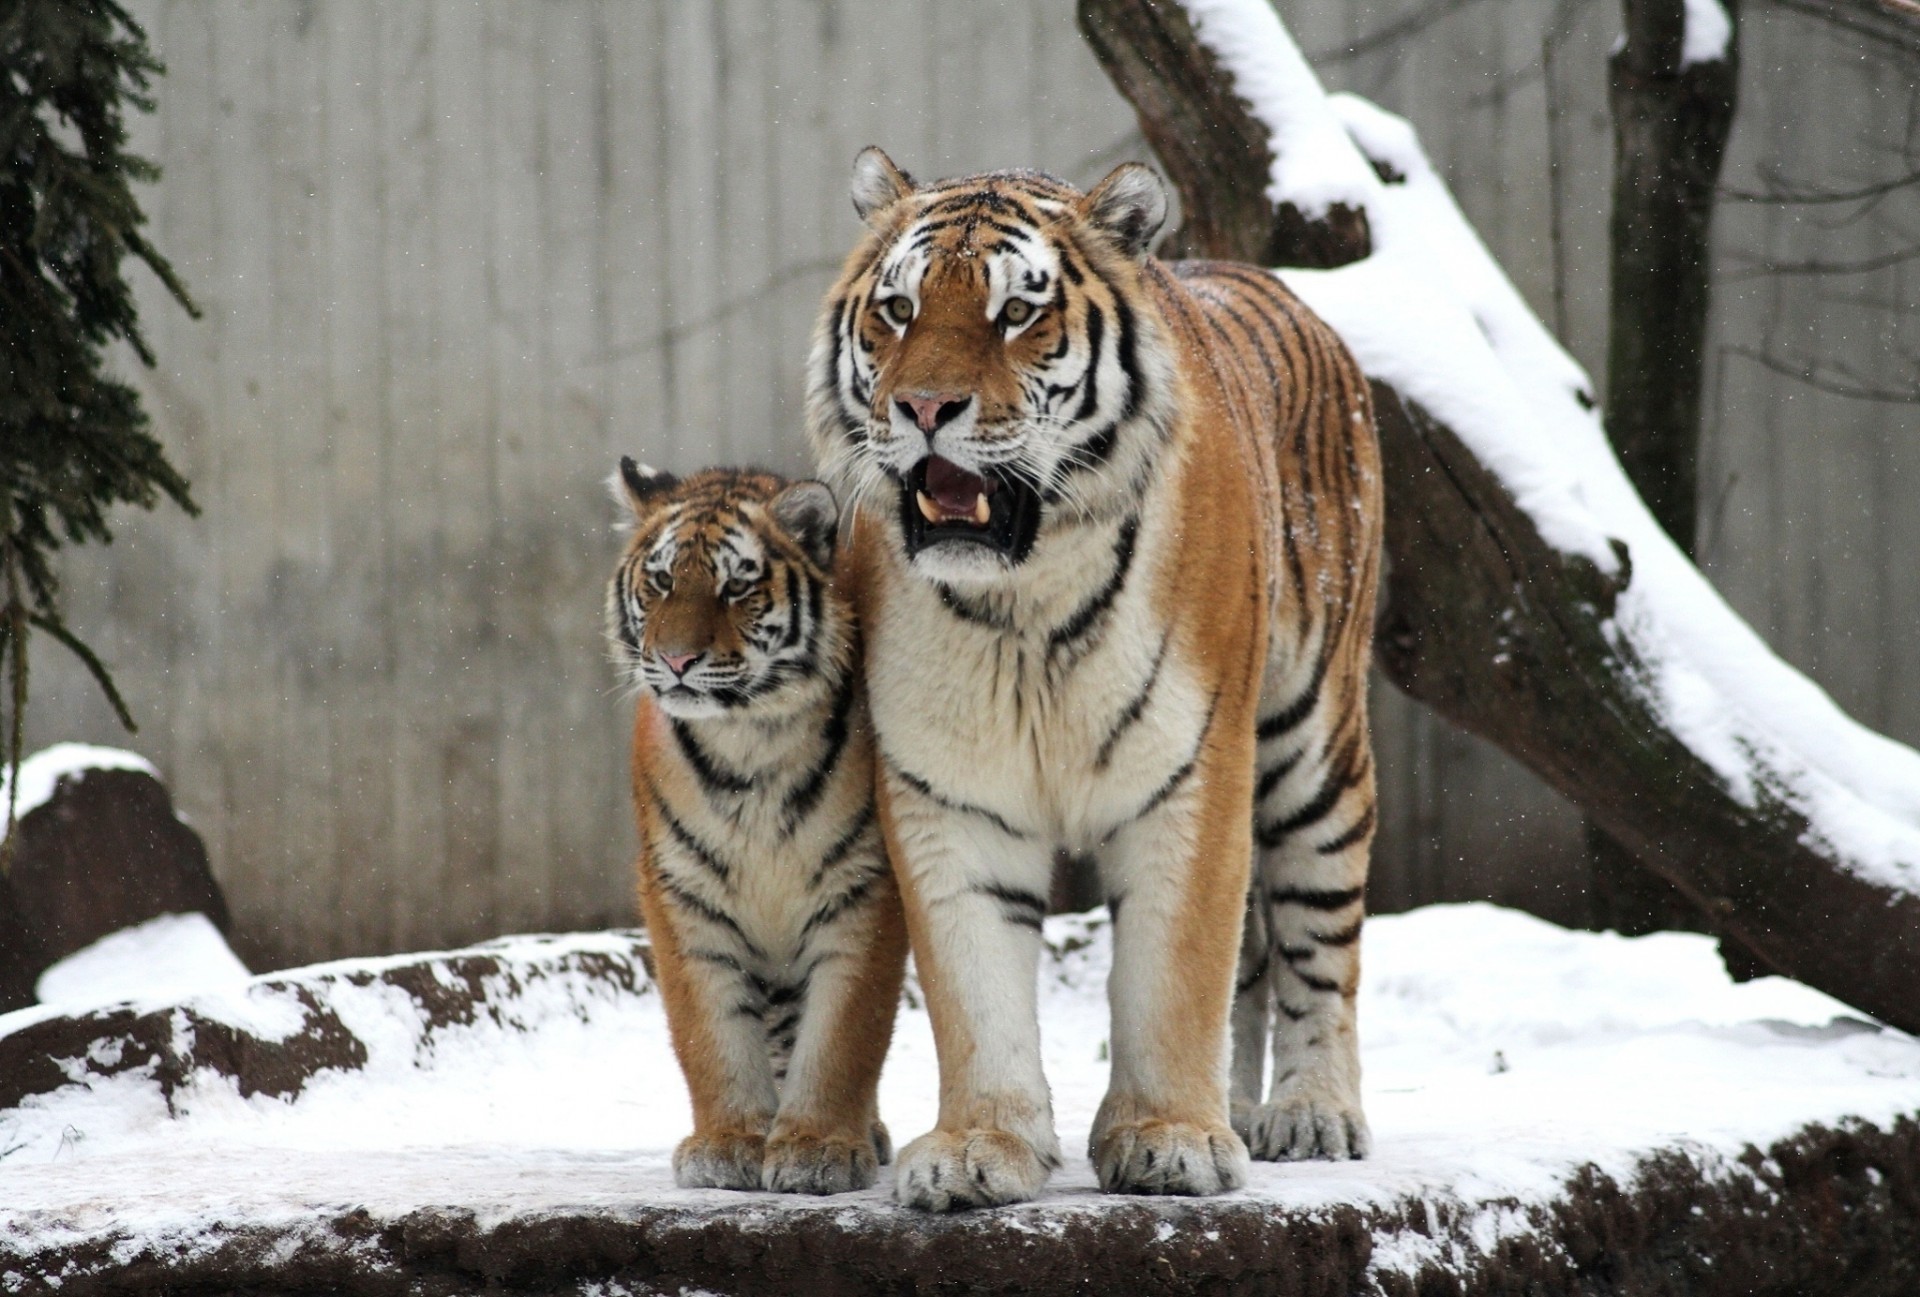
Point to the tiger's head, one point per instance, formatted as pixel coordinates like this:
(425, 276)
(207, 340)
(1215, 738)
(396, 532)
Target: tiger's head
(722, 600)
(984, 371)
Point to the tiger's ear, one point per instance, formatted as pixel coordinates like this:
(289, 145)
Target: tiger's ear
(635, 485)
(877, 184)
(1130, 206)
(808, 512)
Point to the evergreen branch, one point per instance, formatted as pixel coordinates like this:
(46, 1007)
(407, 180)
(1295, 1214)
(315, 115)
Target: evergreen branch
(93, 664)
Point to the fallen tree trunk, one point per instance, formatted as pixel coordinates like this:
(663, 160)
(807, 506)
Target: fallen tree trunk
(1507, 614)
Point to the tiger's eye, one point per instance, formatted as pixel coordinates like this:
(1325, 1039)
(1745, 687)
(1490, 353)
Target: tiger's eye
(899, 310)
(661, 580)
(736, 587)
(1016, 312)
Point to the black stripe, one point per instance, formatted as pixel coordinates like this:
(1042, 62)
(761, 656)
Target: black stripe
(1272, 835)
(1296, 955)
(1096, 329)
(785, 1023)
(1309, 898)
(700, 851)
(780, 995)
(711, 775)
(1293, 1014)
(806, 794)
(840, 904)
(1270, 778)
(686, 900)
(1069, 269)
(1082, 620)
(1360, 829)
(1252, 979)
(1299, 709)
(925, 789)
(794, 623)
(1314, 982)
(966, 610)
(1023, 908)
(1129, 360)
(838, 851)
(1179, 776)
(1131, 715)
(1342, 936)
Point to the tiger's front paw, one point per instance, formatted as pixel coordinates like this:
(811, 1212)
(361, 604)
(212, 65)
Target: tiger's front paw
(1305, 1126)
(1169, 1157)
(945, 1170)
(799, 1162)
(726, 1159)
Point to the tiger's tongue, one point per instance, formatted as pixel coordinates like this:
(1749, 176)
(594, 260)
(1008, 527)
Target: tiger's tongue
(954, 489)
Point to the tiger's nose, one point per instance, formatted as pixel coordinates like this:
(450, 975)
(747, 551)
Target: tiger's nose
(931, 411)
(678, 662)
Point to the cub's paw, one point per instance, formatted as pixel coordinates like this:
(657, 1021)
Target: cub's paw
(805, 1163)
(1304, 1127)
(882, 1143)
(945, 1170)
(727, 1159)
(1169, 1157)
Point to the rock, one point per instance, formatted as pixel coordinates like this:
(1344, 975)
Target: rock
(103, 851)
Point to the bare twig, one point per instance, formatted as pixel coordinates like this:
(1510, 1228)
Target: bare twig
(1393, 33)
(1866, 265)
(1821, 376)
(1786, 195)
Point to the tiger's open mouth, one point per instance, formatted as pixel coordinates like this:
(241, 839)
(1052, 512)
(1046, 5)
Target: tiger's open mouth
(942, 503)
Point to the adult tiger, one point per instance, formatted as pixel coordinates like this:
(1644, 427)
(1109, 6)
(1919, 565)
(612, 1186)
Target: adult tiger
(776, 929)
(1120, 528)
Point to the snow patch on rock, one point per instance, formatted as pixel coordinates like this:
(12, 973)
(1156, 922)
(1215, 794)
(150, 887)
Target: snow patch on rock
(166, 958)
(41, 773)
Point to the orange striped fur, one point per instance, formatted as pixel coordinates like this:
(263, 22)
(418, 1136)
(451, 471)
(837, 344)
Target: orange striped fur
(778, 939)
(1118, 529)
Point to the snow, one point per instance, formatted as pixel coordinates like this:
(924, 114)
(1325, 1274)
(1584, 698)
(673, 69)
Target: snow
(1431, 314)
(164, 958)
(1314, 166)
(41, 773)
(1502, 1055)
(1708, 32)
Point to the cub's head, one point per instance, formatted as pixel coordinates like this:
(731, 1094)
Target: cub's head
(985, 365)
(722, 600)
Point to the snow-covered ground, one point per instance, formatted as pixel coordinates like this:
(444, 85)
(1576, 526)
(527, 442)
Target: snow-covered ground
(1502, 1055)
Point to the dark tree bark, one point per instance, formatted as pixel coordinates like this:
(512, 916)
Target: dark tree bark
(1217, 156)
(1504, 635)
(1670, 129)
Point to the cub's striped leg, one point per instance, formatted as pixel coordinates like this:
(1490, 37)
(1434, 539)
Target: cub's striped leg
(715, 1017)
(827, 1137)
(1314, 821)
(974, 888)
(1177, 876)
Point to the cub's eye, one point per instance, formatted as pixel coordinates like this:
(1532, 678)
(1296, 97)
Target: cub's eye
(661, 580)
(899, 310)
(736, 587)
(1017, 312)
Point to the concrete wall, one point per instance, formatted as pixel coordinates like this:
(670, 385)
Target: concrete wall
(456, 258)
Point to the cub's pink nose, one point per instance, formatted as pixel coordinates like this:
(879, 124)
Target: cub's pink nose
(678, 662)
(930, 410)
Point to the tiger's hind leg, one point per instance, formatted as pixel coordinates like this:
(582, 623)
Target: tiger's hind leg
(1314, 819)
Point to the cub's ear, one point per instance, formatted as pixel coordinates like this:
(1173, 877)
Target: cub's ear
(877, 184)
(1130, 206)
(807, 512)
(635, 485)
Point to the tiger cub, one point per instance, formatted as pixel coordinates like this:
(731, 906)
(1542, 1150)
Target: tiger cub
(778, 940)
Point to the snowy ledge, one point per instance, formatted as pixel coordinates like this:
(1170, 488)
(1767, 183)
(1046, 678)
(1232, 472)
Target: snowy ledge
(1555, 1112)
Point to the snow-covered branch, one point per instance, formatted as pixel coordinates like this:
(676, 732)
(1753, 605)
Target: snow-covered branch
(1533, 598)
